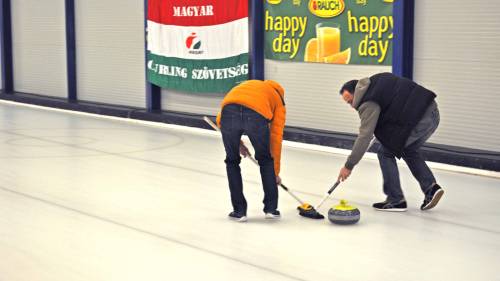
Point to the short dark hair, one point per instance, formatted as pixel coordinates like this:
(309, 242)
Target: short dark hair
(349, 86)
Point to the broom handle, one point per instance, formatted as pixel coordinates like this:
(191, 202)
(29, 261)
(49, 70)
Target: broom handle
(338, 182)
(292, 194)
(327, 194)
(212, 124)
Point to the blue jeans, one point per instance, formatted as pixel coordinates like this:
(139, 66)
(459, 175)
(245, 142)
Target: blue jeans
(236, 120)
(413, 158)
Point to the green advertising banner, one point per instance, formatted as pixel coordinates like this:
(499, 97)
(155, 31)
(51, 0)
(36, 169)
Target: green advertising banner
(329, 31)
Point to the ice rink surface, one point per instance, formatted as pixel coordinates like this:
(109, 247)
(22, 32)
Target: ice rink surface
(87, 198)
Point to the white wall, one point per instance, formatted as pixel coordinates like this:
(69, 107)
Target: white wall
(457, 55)
(39, 47)
(197, 103)
(312, 93)
(110, 51)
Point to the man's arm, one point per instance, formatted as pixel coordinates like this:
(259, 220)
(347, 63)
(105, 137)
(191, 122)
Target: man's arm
(368, 113)
(217, 120)
(276, 130)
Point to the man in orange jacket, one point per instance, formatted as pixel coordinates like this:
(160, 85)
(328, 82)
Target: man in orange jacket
(256, 108)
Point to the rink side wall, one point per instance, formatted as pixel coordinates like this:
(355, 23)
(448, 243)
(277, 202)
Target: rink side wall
(90, 56)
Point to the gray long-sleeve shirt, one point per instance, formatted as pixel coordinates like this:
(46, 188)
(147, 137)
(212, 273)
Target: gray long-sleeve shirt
(368, 114)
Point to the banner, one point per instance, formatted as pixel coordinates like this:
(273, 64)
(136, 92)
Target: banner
(329, 31)
(197, 46)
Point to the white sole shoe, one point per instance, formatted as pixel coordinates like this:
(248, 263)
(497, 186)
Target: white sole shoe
(434, 200)
(396, 210)
(242, 219)
(270, 216)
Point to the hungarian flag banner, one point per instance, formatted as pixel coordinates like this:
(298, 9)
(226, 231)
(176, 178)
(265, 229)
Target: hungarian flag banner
(197, 46)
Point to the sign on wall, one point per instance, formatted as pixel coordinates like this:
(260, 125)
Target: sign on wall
(329, 31)
(197, 46)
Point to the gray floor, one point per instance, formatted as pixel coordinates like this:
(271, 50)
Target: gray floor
(84, 198)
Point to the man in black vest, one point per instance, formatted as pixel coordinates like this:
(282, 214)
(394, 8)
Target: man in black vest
(402, 115)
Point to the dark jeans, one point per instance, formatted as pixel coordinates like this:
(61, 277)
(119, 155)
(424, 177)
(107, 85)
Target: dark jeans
(236, 120)
(413, 158)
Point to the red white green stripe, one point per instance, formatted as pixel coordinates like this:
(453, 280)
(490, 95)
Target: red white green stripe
(216, 41)
(196, 13)
(197, 46)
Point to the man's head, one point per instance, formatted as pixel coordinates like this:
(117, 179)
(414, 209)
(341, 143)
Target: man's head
(347, 91)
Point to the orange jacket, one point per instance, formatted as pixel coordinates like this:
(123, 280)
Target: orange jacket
(268, 99)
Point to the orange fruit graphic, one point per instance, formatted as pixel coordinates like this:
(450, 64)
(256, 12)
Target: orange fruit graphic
(311, 53)
(339, 58)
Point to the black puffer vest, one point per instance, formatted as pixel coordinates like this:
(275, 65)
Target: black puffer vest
(402, 103)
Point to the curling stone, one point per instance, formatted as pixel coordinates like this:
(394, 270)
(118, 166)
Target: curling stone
(344, 214)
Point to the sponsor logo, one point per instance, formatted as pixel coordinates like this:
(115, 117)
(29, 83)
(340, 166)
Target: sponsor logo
(193, 43)
(326, 8)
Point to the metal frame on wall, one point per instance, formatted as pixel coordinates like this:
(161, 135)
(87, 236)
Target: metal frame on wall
(153, 92)
(71, 49)
(402, 55)
(6, 45)
(256, 18)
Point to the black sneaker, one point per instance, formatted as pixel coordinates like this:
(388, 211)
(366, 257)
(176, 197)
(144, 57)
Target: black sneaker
(237, 217)
(273, 215)
(432, 197)
(391, 206)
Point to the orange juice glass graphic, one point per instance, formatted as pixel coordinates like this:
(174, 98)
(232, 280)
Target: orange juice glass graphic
(328, 35)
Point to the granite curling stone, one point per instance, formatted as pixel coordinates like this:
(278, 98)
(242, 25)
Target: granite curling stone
(344, 214)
